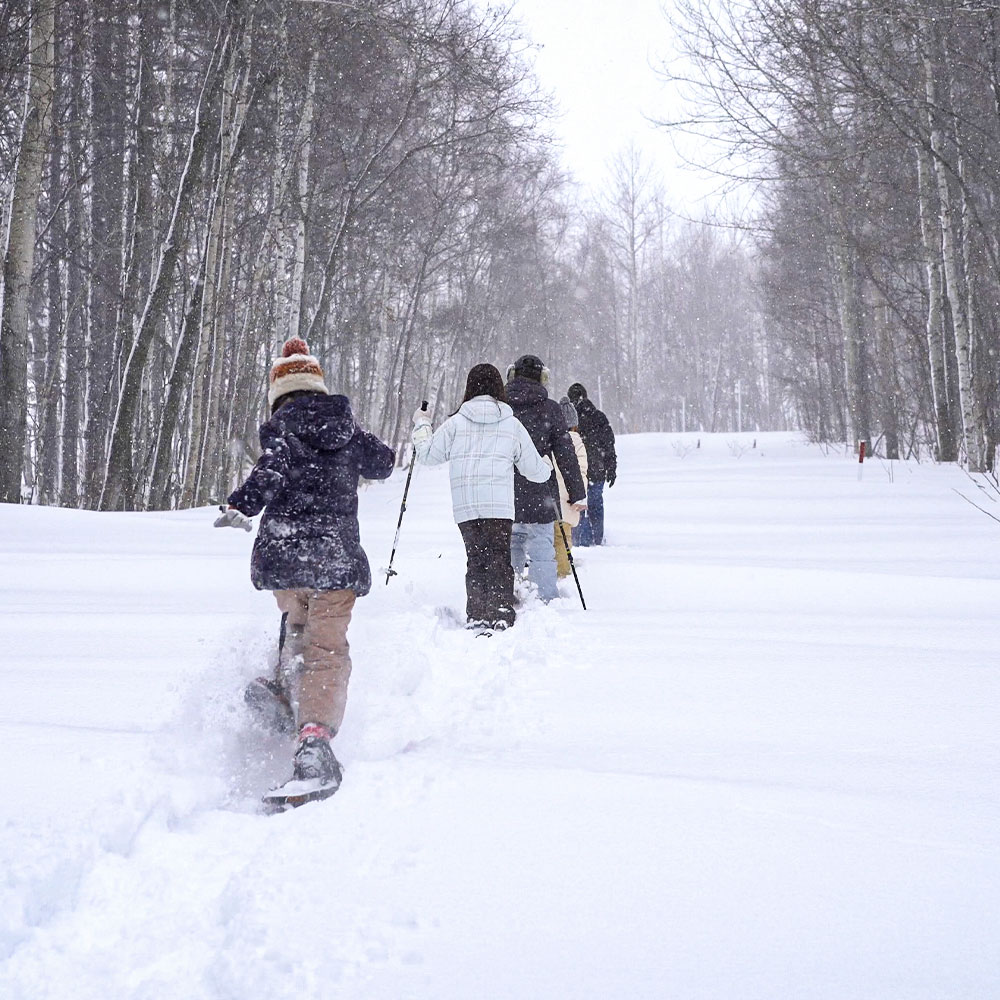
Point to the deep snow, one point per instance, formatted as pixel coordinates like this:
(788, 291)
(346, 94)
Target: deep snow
(764, 764)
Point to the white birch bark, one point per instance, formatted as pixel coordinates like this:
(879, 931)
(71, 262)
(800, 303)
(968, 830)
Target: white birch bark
(209, 473)
(972, 431)
(282, 250)
(245, 353)
(208, 370)
(299, 252)
(19, 249)
(120, 454)
(930, 235)
(199, 380)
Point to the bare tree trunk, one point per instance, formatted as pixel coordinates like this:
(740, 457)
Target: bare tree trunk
(139, 219)
(177, 391)
(888, 376)
(208, 367)
(930, 236)
(106, 122)
(200, 379)
(302, 203)
(50, 398)
(397, 385)
(76, 312)
(120, 457)
(279, 173)
(851, 322)
(972, 430)
(19, 251)
(211, 470)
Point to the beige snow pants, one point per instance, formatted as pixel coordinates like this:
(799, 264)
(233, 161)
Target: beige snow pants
(322, 684)
(563, 567)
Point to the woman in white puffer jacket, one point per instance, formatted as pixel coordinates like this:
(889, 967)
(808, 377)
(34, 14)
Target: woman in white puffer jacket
(484, 442)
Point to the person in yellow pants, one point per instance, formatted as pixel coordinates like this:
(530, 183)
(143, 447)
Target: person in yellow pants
(570, 517)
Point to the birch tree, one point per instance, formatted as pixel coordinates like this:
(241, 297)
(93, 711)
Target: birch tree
(19, 248)
(120, 457)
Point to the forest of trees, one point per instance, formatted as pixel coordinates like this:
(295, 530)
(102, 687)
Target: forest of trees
(185, 184)
(873, 131)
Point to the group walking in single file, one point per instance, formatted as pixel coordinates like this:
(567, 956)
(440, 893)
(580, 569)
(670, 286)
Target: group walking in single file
(527, 475)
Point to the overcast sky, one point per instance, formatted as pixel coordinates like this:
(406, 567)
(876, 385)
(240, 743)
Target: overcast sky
(598, 58)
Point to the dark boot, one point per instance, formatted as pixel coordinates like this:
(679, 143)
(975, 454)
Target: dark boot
(316, 773)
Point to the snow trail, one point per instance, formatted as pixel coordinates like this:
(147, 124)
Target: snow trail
(765, 763)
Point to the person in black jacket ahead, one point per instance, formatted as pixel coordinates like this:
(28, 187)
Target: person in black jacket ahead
(602, 465)
(536, 505)
(308, 551)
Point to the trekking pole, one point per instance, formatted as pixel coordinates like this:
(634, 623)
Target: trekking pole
(572, 564)
(390, 572)
(558, 509)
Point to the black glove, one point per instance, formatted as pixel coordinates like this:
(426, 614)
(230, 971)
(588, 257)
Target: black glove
(611, 479)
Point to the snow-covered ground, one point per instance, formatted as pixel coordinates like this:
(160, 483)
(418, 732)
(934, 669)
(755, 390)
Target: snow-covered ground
(764, 764)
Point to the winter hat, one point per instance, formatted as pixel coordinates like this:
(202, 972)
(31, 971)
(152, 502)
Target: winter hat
(529, 366)
(569, 412)
(295, 370)
(576, 392)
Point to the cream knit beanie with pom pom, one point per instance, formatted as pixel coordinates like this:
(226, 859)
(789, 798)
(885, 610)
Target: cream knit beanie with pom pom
(295, 370)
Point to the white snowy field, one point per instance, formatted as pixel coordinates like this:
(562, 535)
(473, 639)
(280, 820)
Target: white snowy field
(765, 763)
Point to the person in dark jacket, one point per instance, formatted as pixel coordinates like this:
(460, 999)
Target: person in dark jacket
(602, 465)
(308, 551)
(536, 505)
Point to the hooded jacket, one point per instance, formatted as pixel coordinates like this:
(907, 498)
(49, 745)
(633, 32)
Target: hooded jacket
(312, 455)
(599, 438)
(484, 443)
(543, 418)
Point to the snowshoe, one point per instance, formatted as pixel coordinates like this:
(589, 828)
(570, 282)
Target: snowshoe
(269, 703)
(316, 775)
(450, 617)
(486, 629)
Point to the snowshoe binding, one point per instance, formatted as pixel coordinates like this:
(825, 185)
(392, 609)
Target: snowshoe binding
(268, 697)
(268, 701)
(485, 629)
(316, 773)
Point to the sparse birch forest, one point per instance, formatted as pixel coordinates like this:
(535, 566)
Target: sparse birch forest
(873, 130)
(184, 185)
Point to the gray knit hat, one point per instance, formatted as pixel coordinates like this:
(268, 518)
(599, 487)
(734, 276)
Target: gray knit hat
(569, 412)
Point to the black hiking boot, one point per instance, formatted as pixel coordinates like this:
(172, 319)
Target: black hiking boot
(316, 774)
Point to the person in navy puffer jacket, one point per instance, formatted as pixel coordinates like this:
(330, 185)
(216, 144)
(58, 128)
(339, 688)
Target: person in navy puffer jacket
(308, 551)
(602, 464)
(538, 507)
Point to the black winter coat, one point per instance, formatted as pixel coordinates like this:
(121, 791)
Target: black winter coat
(307, 477)
(599, 440)
(538, 503)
